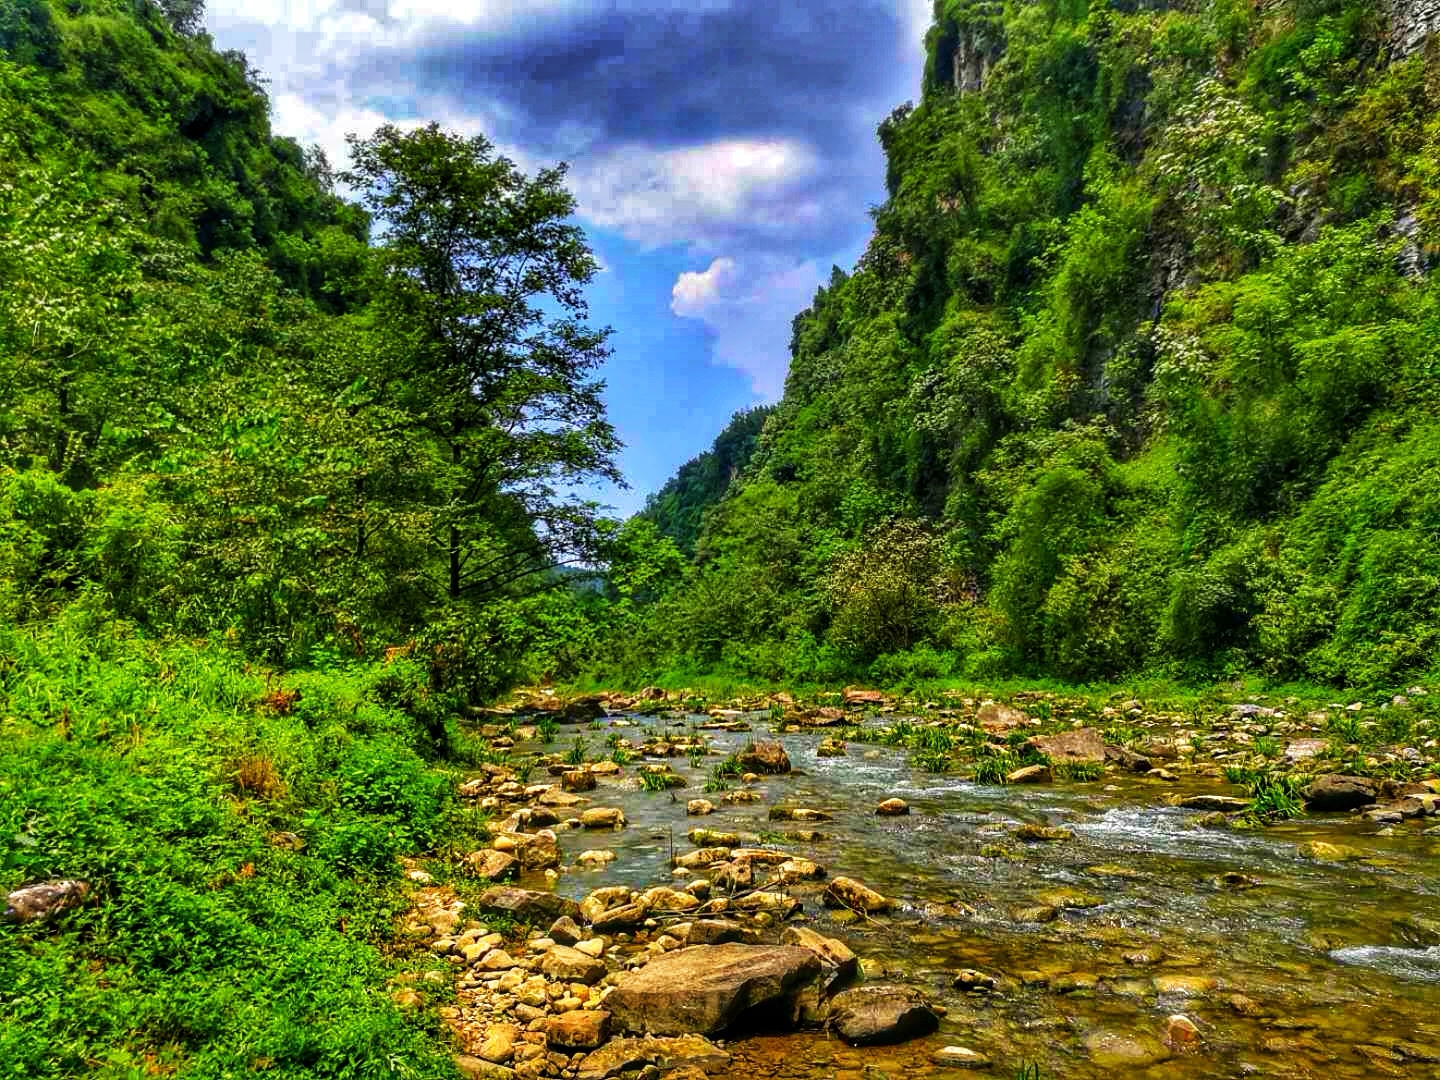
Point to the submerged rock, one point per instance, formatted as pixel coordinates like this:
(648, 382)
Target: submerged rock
(1418, 931)
(959, 1057)
(877, 1015)
(705, 988)
(1225, 804)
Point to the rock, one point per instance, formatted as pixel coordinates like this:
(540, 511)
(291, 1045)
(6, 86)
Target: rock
(705, 988)
(972, 981)
(699, 807)
(1128, 759)
(1080, 745)
(565, 964)
(879, 1015)
(778, 904)
(830, 748)
(578, 780)
(1067, 898)
(1036, 913)
(797, 813)
(579, 1029)
(845, 892)
(474, 1068)
(1181, 1034)
(603, 817)
(1034, 833)
(716, 932)
(555, 797)
(1225, 804)
(1162, 774)
(833, 953)
(1418, 931)
(526, 905)
(1320, 851)
(602, 900)
(499, 1044)
(45, 900)
(709, 856)
(564, 931)
(854, 695)
(688, 1052)
(995, 717)
(1116, 1052)
(1300, 750)
(1337, 793)
(1185, 985)
(766, 757)
(624, 917)
(714, 838)
(663, 899)
(959, 1057)
(491, 864)
(1031, 774)
(893, 808)
(595, 858)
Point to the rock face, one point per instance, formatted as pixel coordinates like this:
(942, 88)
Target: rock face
(875, 1015)
(767, 758)
(1080, 745)
(1337, 793)
(1411, 22)
(526, 905)
(34, 903)
(705, 988)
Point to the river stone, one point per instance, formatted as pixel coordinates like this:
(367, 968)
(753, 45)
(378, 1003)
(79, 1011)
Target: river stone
(767, 757)
(1304, 749)
(525, 905)
(716, 932)
(833, 952)
(35, 903)
(474, 1068)
(1031, 774)
(705, 988)
(629, 1055)
(846, 892)
(995, 717)
(706, 856)
(880, 1015)
(959, 1057)
(491, 864)
(1321, 851)
(564, 931)
(602, 900)
(578, 780)
(1181, 1034)
(565, 964)
(1110, 1050)
(1225, 804)
(797, 813)
(1080, 745)
(663, 899)
(499, 1043)
(1336, 793)
(1042, 832)
(624, 917)
(714, 838)
(1418, 931)
(603, 817)
(1128, 759)
(798, 869)
(699, 807)
(893, 808)
(579, 1029)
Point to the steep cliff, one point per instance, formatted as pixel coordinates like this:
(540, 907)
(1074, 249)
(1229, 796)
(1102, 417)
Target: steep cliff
(1145, 342)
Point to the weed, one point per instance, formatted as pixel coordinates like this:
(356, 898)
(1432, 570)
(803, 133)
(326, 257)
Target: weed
(621, 756)
(1079, 771)
(934, 761)
(577, 753)
(653, 781)
(547, 729)
(1274, 798)
(1267, 746)
(994, 768)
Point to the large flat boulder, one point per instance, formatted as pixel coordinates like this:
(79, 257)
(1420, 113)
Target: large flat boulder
(1080, 745)
(526, 905)
(1333, 792)
(705, 988)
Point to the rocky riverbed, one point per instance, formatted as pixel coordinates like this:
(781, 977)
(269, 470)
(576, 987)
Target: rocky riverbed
(831, 908)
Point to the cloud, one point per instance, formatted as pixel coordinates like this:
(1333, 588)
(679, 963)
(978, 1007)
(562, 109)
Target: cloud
(747, 307)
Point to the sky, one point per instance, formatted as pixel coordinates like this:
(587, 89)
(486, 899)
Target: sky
(722, 154)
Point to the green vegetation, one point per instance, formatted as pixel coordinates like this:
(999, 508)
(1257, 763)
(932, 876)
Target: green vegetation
(1135, 379)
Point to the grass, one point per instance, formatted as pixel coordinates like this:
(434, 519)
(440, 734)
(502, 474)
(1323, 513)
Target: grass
(1082, 772)
(578, 752)
(935, 761)
(653, 782)
(159, 774)
(546, 728)
(1274, 798)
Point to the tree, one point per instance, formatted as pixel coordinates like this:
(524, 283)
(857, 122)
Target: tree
(486, 358)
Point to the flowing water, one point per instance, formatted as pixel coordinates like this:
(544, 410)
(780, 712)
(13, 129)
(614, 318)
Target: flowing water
(1289, 967)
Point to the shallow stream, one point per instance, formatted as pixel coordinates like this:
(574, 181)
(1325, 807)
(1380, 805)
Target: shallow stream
(1289, 967)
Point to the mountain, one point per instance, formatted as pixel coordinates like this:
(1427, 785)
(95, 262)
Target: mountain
(1137, 372)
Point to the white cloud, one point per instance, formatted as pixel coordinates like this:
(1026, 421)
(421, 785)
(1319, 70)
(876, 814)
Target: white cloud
(747, 305)
(696, 194)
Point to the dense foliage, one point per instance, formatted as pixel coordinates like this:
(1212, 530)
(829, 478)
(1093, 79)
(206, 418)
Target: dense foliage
(1145, 342)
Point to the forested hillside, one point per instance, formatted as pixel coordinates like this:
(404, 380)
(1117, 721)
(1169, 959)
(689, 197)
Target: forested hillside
(1137, 374)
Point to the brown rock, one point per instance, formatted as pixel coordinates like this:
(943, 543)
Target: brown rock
(841, 963)
(1079, 745)
(878, 1015)
(565, 964)
(995, 717)
(1031, 774)
(603, 817)
(35, 903)
(705, 988)
(564, 931)
(624, 917)
(687, 1052)
(578, 780)
(491, 864)
(893, 808)
(526, 905)
(1336, 793)
(699, 807)
(1181, 1034)
(845, 892)
(579, 1029)
(474, 1068)
(766, 757)
(499, 1044)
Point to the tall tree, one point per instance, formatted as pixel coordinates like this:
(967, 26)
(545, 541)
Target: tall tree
(487, 356)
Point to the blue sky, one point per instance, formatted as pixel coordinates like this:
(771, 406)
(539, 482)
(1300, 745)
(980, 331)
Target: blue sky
(722, 153)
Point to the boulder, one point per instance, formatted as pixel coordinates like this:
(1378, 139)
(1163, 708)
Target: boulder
(878, 1015)
(526, 905)
(688, 1052)
(765, 757)
(602, 900)
(1225, 804)
(565, 964)
(578, 780)
(699, 807)
(854, 695)
(474, 1068)
(844, 892)
(624, 917)
(706, 988)
(579, 1029)
(564, 931)
(1080, 745)
(893, 808)
(1336, 793)
(1128, 759)
(841, 964)
(603, 817)
(35, 903)
(1031, 774)
(995, 717)
(498, 1046)
(663, 899)
(715, 932)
